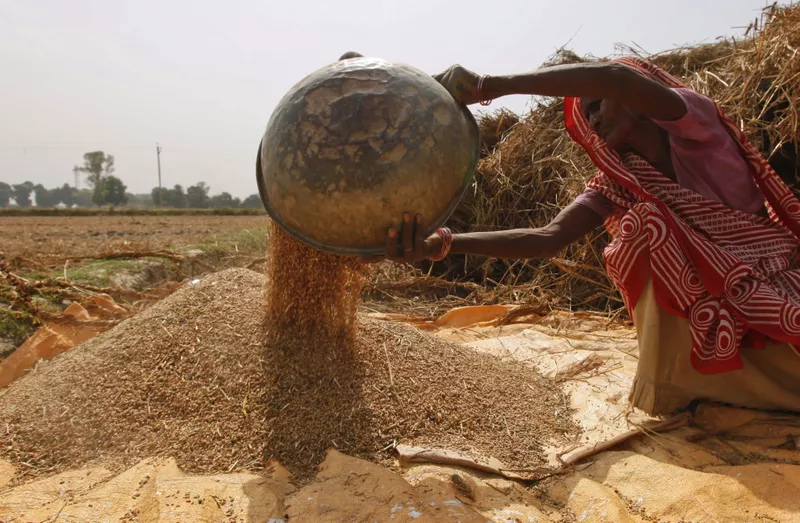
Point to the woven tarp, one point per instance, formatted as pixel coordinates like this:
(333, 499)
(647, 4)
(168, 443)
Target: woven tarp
(720, 464)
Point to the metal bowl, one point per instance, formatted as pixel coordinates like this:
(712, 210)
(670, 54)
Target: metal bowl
(357, 143)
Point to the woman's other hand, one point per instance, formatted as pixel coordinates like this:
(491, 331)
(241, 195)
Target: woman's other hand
(461, 83)
(409, 244)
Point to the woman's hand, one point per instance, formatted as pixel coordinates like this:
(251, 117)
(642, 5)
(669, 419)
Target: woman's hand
(409, 244)
(461, 83)
(573, 223)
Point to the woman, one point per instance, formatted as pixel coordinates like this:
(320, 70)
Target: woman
(705, 246)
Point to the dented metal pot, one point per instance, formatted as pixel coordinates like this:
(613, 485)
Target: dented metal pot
(358, 142)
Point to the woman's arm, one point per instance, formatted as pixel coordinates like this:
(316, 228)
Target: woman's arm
(571, 224)
(592, 80)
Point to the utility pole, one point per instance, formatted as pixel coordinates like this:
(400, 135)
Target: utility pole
(75, 172)
(158, 156)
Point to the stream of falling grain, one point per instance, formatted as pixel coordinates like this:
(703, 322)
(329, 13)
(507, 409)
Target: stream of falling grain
(312, 296)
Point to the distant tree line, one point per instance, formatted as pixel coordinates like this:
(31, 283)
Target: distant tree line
(197, 197)
(107, 189)
(23, 195)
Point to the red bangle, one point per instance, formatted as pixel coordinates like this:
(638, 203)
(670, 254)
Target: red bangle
(447, 241)
(481, 99)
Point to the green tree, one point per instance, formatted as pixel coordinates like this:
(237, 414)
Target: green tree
(115, 191)
(174, 197)
(109, 190)
(64, 195)
(224, 200)
(140, 200)
(197, 196)
(177, 197)
(5, 194)
(159, 196)
(44, 197)
(99, 192)
(252, 202)
(21, 193)
(96, 165)
(82, 198)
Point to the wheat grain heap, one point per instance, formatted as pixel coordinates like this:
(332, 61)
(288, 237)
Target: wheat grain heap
(202, 377)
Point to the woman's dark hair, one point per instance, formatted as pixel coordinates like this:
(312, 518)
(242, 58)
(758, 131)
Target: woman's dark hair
(351, 54)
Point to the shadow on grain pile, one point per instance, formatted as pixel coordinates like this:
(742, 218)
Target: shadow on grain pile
(206, 378)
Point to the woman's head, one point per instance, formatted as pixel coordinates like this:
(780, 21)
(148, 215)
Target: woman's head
(619, 128)
(612, 121)
(350, 54)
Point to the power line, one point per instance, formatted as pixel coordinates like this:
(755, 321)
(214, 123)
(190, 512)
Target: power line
(180, 151)
(70, 145)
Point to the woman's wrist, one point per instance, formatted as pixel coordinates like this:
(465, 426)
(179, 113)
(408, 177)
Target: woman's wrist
(433, 245)
(494, 87)
(498, 86)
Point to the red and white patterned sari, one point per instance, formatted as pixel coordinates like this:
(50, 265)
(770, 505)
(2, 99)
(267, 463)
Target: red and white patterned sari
(733, 275)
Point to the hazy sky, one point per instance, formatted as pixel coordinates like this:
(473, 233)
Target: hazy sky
(202, 77)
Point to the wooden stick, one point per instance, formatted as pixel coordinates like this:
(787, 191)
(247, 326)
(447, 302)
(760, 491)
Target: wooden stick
(574, 456)
(411, 454)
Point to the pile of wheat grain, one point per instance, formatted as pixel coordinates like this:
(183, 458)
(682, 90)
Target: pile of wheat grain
(194, 377)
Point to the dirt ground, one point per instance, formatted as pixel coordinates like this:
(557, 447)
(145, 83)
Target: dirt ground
(36, 236)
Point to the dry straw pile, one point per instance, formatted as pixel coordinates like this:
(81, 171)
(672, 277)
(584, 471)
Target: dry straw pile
(531, 169)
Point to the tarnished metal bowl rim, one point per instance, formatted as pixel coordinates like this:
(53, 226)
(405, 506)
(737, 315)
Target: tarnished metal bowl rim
(432, 224)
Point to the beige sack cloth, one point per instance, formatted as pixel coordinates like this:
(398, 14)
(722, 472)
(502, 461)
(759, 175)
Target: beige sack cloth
(666, 381)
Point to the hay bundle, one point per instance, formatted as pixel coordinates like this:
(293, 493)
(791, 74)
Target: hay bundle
(529, 177)
(531, 173)
(494, 127)
(534, 170)
(756, 80)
